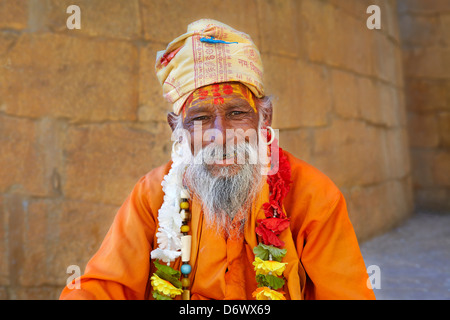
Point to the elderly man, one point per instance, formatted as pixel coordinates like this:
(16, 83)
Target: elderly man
(232, 215)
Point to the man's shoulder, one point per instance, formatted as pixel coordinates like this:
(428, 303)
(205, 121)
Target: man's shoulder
(158, 173)
(151, 181)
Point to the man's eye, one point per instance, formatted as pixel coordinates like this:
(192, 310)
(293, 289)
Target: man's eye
(236, 113)
(201, 118)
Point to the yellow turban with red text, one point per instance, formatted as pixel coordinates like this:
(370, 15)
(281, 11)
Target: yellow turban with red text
(210, 52)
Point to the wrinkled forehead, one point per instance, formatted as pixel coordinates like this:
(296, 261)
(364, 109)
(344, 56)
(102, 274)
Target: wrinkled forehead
(219, 94)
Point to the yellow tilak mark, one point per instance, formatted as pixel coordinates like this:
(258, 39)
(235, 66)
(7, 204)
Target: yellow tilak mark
(220, 93)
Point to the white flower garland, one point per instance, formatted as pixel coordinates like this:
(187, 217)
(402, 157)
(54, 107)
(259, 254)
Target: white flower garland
(169, 235)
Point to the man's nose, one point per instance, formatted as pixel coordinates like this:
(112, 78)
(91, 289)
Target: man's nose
(219, 132)
(220, 125)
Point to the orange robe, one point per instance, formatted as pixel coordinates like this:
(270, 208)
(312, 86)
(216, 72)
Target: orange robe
(324, 259)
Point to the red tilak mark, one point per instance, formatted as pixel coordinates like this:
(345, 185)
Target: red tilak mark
(216, 90)
(203, 94)
(227, 89)
(219, 100)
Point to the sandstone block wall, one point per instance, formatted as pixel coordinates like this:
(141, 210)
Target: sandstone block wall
(425, 30)
(82, 117)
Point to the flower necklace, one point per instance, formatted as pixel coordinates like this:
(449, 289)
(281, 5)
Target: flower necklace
(172, 236)
(174, 241)
(268, 253)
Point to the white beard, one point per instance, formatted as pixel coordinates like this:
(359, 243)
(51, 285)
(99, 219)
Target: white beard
(225, 191)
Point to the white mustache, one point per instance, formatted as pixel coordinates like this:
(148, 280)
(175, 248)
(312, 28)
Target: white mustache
(240, 154)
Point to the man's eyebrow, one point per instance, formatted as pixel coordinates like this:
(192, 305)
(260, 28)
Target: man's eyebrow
(237, 103)
(240, 103)
(201, 108)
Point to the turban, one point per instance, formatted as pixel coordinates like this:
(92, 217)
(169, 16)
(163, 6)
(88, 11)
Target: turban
(210, 52)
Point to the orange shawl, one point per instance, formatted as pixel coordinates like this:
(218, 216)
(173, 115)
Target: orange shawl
(323, 256)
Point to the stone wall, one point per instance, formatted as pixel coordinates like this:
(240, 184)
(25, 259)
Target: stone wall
(82, 117)
(425, 30)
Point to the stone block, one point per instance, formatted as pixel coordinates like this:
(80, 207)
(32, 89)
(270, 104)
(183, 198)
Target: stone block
(14, 208)
(103, 162)
(423, 130)
(282, 82)
(20, 160)
(335, 37)
(165, 20)
(4, 293)
(444, 19)
(298, 142)
(352, 44)
(419, 6)
(318, 21)
(81, 228)
(152, 105)
(350, 153)
(13, 14)
(433, 199)
(345, 94)
(39, 293)
(422, 161)
(441, 169)
(420, 30)
(72, 77)
(425, 62)
(369, 100)
(444, 129)
(33, 269)
(380, 104)
(385, 64)
(389, 17)
(314, 95)
(74, 232)
(356, 8)
(281, 29)
(427, 95)
(377, 208)
(390, 105)
(4, 252)
(397, 153)
(55, 234)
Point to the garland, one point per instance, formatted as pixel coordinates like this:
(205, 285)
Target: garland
(268, 253)
(173, 238)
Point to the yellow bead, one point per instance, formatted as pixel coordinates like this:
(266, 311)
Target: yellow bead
(184, 205)
(184, 228)
(185, 282)
(186, 295)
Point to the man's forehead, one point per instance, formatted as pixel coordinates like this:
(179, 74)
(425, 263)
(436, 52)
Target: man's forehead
(220, 95)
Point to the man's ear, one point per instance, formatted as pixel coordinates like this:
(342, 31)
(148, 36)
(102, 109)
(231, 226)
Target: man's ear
(171, 119)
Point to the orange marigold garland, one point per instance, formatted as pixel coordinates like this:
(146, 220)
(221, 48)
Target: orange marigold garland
(269, 253)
